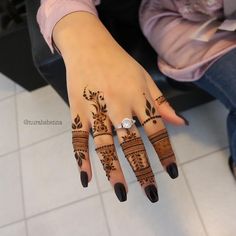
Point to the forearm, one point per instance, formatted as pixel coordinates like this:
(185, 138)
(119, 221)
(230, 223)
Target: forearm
(51, 11)
(79, 34)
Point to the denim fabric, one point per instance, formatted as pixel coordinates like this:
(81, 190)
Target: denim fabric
(220, 81)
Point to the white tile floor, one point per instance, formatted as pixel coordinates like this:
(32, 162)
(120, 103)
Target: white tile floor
(41, 194)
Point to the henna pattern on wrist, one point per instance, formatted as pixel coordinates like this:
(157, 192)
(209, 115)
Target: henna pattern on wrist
(107, 155)
(161, 142)
(99, 116)
(135, 153)
(150, 112)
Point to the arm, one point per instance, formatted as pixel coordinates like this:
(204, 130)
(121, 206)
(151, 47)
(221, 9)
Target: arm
(105, 85)
(51, 11)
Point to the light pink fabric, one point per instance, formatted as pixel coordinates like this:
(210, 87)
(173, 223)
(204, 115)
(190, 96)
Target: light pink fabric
(167, 24)
(51, 11)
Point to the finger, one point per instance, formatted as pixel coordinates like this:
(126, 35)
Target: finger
(109, 159)
(157, 134)
(80, 139)
(105, 148)
(163, 106)
(135, 153)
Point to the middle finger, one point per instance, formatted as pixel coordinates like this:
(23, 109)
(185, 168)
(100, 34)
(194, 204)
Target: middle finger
(135, 152)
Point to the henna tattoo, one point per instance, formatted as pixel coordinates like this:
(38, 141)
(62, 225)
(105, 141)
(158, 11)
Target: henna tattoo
(160, 141)
(161, 99)
(107, 156)
(79, 156)
(129, 136)
(108, 133)
(80, 145)
(99, 116)
(135, 153)
(150, 112)
(77, 123)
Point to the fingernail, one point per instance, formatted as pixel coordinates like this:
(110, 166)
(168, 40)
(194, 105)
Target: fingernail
(84, 178)
(172, 170)
(151, 192)
(120, 192)
(185, 120)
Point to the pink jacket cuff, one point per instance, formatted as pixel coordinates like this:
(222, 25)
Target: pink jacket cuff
(51, 11)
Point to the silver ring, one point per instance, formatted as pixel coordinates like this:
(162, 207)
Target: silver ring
(125, 124)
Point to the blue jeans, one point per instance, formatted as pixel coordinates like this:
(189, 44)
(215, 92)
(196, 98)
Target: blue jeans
(220, 81)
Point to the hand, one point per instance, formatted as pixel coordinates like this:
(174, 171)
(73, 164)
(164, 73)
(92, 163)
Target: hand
(106, 85)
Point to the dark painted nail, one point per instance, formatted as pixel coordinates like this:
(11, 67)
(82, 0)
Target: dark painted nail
(120, 192)
(172, 170)
(151, 192)
(84, 178)
(185, 120)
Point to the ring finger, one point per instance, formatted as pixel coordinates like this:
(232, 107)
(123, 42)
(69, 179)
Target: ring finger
(157, 134)
(134, 151)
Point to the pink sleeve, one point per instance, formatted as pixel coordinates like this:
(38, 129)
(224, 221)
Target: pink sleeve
(51, 11)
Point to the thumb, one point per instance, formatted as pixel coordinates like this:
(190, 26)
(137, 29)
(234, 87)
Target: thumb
(164, 108)
(168, 113)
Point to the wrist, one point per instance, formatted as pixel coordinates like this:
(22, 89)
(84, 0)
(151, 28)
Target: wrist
(80, 34)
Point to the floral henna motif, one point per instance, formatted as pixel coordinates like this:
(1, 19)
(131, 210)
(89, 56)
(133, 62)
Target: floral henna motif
(107, 156)
(135, 153)
(99, 116)
(129, 136)
(77, 123)
(80, 145)
(79, 156)
(150, 112)
(160, 141)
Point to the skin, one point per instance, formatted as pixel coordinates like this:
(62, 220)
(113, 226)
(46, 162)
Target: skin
(95, 61)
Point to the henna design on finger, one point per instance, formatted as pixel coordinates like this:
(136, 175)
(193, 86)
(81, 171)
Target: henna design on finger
(99, 115)
(108, 133)
(135, 153)
(129, 136)
(77, 123)
(107, 156)
(150, 112)
(161, 99)
(80, 145)
(161, 142)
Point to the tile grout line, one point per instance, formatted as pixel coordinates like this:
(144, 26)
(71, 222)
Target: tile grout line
(204, 155)
(102, 201)
(43, 140)
(8, 153)
(94, 195)
(195, 203)
(12, 223)
(50, 210)
(7, 97)
(20, 166)
(91, 196)
(14, 94)
(15, 88)
(100, 192)
(53, 136)
(32, 144)
(61, 206)
(98, 186)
